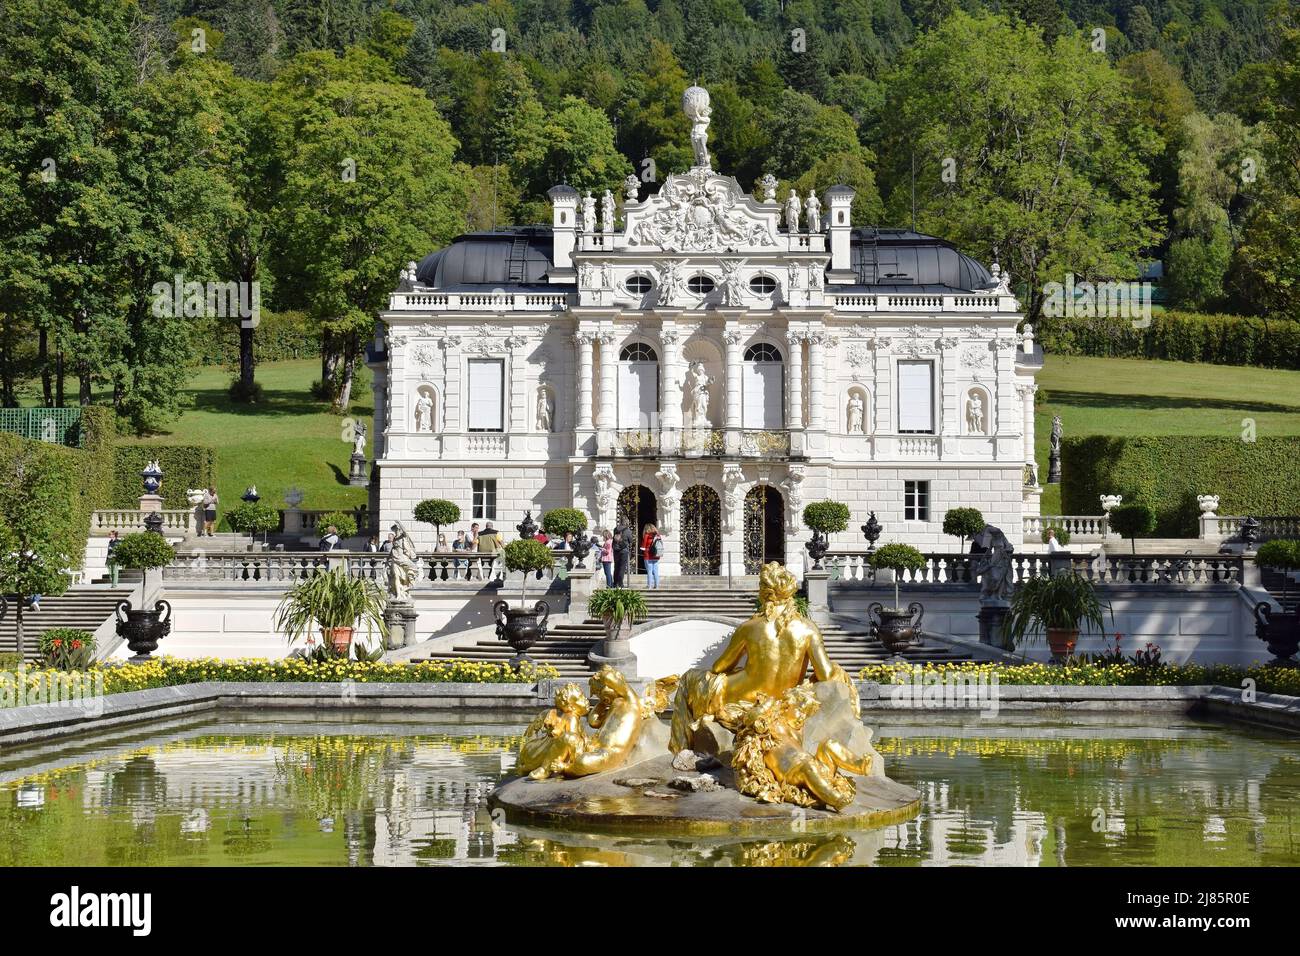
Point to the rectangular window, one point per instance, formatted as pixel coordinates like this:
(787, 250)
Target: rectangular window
(916, 500)
(762, 386)
(485, 499)
(487, 379)
(916, 397)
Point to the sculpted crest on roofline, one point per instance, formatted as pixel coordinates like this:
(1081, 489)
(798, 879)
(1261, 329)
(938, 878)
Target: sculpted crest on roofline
(699, 211)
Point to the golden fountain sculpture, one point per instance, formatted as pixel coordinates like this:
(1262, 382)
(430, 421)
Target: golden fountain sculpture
(755, 691)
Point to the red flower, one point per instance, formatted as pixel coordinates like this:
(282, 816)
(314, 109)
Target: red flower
(56, 642)
(76, 645)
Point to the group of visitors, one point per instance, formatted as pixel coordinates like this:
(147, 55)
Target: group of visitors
(617, 548)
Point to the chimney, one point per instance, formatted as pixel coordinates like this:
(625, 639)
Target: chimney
(564, 219)
(839, 206)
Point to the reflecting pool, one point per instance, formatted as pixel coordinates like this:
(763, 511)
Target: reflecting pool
(300, 788)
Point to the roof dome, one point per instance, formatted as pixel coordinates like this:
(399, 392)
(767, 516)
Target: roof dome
(910, 260)
(516, 256)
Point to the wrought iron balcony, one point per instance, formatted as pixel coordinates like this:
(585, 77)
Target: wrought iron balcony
(695, 443)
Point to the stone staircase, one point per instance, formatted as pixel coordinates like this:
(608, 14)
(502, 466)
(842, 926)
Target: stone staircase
(81, 607)
(566, 645)
(1273, 582)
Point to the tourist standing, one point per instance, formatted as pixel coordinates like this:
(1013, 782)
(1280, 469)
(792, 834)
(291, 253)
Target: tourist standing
(652, 549)
(113, 541)
(372, 546)
(330, 539)
(607, 556)
(387, 546)
(623, 546)
(1053, 545)
(209, 511)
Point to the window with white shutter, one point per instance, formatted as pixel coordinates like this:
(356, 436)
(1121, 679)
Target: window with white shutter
(916, 397)
(486, 395)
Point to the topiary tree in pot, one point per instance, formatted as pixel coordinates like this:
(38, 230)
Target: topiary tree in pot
(522, 627)
(344, 521)
(1281, 632)
(143, 628)
(1132, 521)
(253, 517)
(896, 627)
(823, 518)
(437, 512)
(559, 522)
(963, 523)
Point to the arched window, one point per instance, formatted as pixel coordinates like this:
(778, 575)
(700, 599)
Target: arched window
(700, 285)
(762, 352)
(762, 387)
(762, 285)
(638, 352)
(638, 284)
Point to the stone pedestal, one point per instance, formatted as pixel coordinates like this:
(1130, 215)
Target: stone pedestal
(357, 472)
(400, 616)
(615, 651)
(992, 615)
(151, 502)
(581, 583)
(293, 521)
(819, 605)
(1054, 469)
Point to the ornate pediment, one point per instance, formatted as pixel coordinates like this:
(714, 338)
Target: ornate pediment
(700, 211)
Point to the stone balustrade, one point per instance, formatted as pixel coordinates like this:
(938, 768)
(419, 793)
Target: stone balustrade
(1079, 527)
(856, 302)
(130, 520)
(478, 301)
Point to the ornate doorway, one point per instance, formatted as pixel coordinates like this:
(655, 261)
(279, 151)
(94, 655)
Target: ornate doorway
(701, 524)
(764, 528)
(637, 507)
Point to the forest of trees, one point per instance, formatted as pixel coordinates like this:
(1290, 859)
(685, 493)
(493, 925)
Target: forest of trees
(315, 146)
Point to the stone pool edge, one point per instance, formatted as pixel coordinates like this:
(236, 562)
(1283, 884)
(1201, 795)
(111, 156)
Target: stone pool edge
(43, 722)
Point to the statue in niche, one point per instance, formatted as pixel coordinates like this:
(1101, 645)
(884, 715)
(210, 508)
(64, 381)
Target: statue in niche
(588, 213)
(607, 212)
(792, 211)
(814, 212)
(424, 413)
(975, 413)
(545, 411)
(857, 412)
(699, 395)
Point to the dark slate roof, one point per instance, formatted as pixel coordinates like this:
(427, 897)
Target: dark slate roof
(506, 257)
(902, 260)
(892, 260)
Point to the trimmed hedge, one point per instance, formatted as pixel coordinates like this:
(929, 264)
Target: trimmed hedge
(184, 467)
(1167, 472)
(1180, 337)
(279, 336)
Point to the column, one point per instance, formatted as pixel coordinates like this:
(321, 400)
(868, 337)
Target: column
(731, 339)
(817, 381)
(583, 342)
(794, 380)
(1027, 402)
(670, 391)
(606, 417)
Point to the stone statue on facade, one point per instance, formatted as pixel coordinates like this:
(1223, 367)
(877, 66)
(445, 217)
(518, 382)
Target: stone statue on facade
(733, 289)
(671, 283)
(792, 212)
(768, 182)
(1001, 280)
(695, 104)
(424, 413)
(975, 413)
(545, 411)
(588, 212)
(632, 188)
(403, 564)
(813, 208)
(607, 212)
(992, 563)
(699, 395)
(604, 491)
(857, 411)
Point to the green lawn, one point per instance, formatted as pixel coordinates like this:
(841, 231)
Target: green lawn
(290, 439)
(1145, 397)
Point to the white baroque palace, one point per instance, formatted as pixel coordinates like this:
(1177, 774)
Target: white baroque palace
(711, 361)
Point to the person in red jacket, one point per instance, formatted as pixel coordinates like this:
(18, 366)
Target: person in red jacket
(652, 549)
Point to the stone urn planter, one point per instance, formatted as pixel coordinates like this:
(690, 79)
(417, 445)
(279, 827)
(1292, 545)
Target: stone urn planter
(142, 628)
(817, 549)
(521, 628)
(895, 627)
(1281, 632)
(1061, 641)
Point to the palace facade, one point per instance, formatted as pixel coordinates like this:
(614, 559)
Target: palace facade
(711, 361)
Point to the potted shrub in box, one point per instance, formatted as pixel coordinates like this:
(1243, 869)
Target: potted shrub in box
(523, 627)
(896, 627)
(334, 605)
(1057, 605)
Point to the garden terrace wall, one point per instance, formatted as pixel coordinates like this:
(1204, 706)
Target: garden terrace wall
(1167, 472)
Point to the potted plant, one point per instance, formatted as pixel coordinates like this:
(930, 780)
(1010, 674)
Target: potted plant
(896, 627)
(333, 604)
(522, 627)
(1281, 632)
(619, 609)
(963, 523)
(253, 517)
(559, 522)
(1132, 521)
(823, 518)
(437, 512)
(142, 628)
(67, 648)
(1057, 604)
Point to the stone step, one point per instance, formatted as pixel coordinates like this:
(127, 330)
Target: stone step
(83, 607)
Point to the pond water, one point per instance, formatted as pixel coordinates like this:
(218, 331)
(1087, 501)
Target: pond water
(307, 789)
